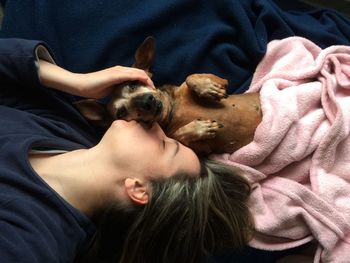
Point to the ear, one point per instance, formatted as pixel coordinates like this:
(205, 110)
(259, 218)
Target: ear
(145, 54)
(94, 111)
(137, 191)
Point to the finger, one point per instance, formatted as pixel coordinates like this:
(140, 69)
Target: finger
(138, 74)
(150, 83)
(122, 74)
(144, 77)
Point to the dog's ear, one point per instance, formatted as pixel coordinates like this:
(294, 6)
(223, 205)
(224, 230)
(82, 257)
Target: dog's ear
(145, 54)
(94, 111)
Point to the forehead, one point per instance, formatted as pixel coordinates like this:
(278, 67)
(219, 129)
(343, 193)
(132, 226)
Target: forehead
(129, 90)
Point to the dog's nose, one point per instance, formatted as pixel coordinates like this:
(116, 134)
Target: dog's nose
(146, 102)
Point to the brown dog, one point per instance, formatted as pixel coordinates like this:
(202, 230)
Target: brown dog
(198, 113)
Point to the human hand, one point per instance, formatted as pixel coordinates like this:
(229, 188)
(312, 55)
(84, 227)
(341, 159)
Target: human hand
(100, 83)
(89, 85)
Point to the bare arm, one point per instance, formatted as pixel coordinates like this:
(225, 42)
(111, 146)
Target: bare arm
(90, 85)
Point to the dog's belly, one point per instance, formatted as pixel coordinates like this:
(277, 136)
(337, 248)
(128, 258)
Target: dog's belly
(239, 115)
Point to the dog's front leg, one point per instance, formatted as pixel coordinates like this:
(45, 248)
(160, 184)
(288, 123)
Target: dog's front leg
(197, 130)
(208, 86)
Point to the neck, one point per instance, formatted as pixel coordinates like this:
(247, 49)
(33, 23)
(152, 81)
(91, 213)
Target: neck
(79, 178)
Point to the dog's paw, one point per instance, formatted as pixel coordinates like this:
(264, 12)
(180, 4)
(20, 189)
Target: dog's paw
(197, 130)
(208, 86)
(205, 129)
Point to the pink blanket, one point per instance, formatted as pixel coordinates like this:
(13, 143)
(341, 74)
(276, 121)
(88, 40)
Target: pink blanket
(299, 161)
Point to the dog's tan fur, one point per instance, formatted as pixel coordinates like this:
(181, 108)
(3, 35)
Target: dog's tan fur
(198, 113)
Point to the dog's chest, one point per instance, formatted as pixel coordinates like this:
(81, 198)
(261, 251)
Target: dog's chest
(188, 107)
(238, 116)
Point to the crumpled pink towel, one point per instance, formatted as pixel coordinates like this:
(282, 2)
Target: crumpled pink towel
(299, 161)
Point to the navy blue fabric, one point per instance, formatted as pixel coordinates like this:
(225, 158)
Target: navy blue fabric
(226, 37)
(36, 224)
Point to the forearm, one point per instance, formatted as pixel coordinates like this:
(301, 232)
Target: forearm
(55, 77)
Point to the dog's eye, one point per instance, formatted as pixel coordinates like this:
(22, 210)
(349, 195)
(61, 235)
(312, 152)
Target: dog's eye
(121, 113)
(133, 85)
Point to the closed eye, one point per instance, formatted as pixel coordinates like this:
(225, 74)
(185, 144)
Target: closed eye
(174, 150)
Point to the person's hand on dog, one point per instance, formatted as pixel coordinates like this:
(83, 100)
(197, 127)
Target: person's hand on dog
(89, 85)
(99, 84)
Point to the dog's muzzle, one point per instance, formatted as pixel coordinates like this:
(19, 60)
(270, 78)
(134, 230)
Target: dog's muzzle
(148, 103)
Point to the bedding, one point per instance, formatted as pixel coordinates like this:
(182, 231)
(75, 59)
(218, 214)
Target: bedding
(227, 38)
(299, 160)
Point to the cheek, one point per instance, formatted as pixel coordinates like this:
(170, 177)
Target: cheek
(151, 163)
(142, 149)
(189, 162)
(148, 166)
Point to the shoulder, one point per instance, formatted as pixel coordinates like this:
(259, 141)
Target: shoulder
(32, 231)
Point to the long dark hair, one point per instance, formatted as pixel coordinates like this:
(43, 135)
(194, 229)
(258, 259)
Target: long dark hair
(187, 219)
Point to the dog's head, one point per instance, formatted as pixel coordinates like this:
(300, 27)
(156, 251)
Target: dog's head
(130, 100)
(135, 101)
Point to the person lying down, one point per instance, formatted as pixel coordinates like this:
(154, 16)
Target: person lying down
(60, 177)
(301, 142)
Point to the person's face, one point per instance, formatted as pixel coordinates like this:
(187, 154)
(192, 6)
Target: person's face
(148, 151)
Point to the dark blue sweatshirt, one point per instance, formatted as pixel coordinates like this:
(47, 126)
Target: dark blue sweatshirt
(36, 224)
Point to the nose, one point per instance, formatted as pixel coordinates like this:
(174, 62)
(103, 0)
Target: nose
(146, 102)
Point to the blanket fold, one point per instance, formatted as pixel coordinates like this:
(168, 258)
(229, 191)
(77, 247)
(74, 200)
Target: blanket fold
(299, 160)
